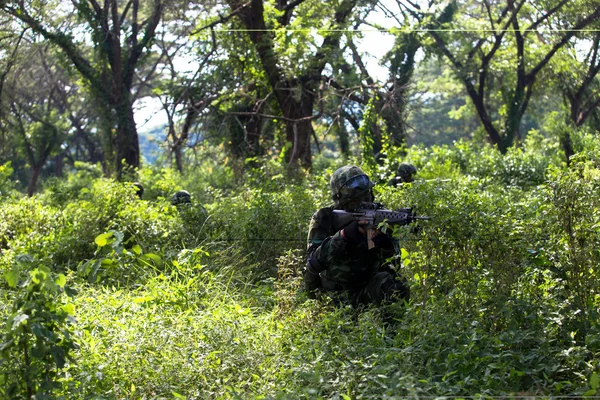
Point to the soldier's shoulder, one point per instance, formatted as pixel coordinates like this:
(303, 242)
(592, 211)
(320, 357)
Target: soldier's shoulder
(324, 212)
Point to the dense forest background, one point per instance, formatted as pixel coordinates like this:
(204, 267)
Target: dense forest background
(250, 106)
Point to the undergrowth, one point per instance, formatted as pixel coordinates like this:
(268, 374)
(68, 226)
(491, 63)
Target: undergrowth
(109, 296)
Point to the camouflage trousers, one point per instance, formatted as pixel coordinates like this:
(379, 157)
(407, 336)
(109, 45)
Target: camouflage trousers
(382, 287)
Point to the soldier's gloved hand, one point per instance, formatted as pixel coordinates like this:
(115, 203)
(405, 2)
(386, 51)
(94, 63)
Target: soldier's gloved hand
(354, 232)
(312, 282)
(382, 240)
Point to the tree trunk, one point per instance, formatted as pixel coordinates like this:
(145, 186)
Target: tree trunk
(178, 158)
(58, 165)
(35, 175)
(567, 144)
(252, 135)
(126, 138)
(344, 138)
(299, 128)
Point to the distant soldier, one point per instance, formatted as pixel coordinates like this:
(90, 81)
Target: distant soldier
(338, 257)
(193, 216)
(181, 197)
(406, 174)
(139, 189)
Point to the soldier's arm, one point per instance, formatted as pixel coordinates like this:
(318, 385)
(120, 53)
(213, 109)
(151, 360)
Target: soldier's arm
(325, 248)
(316, 236)
(322, 248)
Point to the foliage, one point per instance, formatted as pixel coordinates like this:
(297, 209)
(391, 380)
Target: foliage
(37, 342)
(206, 300)
(6, 184)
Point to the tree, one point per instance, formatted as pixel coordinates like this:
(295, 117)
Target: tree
(499, 46)
(582, 87)
(121, 38)
(294, 75)
(576, 77)
(35, 115)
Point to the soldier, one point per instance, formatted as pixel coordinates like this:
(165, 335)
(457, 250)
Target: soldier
(181, 197)
(139, 189)
(338, 258)
(406, 174)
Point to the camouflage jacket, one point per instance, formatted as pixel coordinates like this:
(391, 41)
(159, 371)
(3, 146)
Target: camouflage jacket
(341, 261)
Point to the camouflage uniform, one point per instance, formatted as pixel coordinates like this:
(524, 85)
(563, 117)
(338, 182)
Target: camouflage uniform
(338, 259)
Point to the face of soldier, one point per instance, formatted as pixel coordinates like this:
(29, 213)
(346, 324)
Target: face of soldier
(354, 192)
(354, 203)
(407, 178)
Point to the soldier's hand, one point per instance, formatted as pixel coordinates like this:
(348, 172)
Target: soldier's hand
(362, 227)
(355, 232)
(381, 239)
(312, 283)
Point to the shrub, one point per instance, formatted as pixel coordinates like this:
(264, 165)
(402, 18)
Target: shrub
(37, 339)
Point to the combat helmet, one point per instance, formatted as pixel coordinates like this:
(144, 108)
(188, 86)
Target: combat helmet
(139, 189)
(406, 172)
(181, 197)
(348, 183)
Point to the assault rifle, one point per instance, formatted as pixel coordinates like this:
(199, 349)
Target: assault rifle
(374, 214)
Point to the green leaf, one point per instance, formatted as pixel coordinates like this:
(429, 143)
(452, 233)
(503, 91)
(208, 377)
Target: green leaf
(24, 258)
(19, 320)
(94, 271)
(404, 253)
(145, 299)
(39, 351)
(108, 262)
(153, 257)
(137, 249)
(69, 308)
(59, 356)
(241, 310)
(38, 275)
(118, 238)
(102, 240)
(61, 280)
(6, 345)
(178, 396)
(12, 278)
(594, 381)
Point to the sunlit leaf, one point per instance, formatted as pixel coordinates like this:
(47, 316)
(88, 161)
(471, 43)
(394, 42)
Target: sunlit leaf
(137, 249)
(69, 308)
(102, 239)
(61, 280)
(12, 277)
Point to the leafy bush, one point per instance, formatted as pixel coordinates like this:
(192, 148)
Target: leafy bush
(62, 191)
(6, 184)
(37, 338)
(205, 300)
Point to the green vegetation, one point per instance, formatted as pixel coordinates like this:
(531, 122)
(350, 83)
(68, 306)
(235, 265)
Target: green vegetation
(108, 296)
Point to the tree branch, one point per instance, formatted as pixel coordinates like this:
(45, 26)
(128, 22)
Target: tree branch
(546, 16)
(565, 39)
(331, 41)
(138, 48)
(126, 10)
(59, 39)
(223, 19)
(10, 63)
(358, 60)
(284, 20)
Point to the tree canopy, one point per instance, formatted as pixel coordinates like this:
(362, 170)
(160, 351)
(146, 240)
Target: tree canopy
(293, 79)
